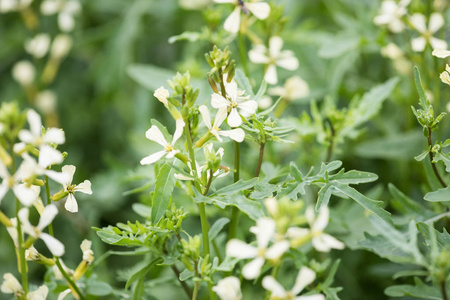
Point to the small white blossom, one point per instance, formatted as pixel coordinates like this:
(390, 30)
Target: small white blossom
(46, 101)
(154, 134)
(441, 53)
(25, 193)
(34, 135)
(11, 285)
(259, 9)
(236, 134)
(235, 103)
(228, 288)
(321, 241)
(39, 294)
(84, 187)
(61, 46)
(13, 5)
(193, 4)
(305, 277)
(88, 254)
(66, 10)
(31, 254)
(391, 14)
(264, 231)
(49, 213)
(294, 88)
(162, 94)
(273, 57)
(426, 34)
(39, 45)
(64, 294)
(24, 72)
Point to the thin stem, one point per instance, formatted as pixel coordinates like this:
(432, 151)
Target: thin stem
(71, 283)
(235, 211)
(433, 165)
(243, 53)
(443, 291)
(331, 145)
(184, 285)
(260, 158)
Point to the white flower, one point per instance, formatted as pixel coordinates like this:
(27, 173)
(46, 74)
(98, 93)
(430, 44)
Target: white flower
(228, 288)
(156, 135)
(88, 254)
(67, 11)
(392, 51)
(84, 187)
(441, 53)
(25, 193)
(47, 157)
(235, 103)
(321, 241)
(11, 285)
(273, 57)
(305, 277)
(49, 213)
(46, 101)
(61, 46)
(31, 254)
(24, 72)
(39, 45)
(264, 231)
(294, 88)
(236, 134)
(13, 5)
(435, 23)
(162, 94)
(34, 135)
(193, 4)
(258, 9)
(445, 76)
(39, 294)
(391, 14)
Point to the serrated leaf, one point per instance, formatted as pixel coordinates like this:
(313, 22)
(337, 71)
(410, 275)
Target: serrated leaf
(422, 155)
(442, 238)
(236, 187)
(439, 195)
(369, 204)
(329, 167)
(444, 157)
(263, 190)
(217, 227)
(165, 183)
(354, 177)
(419, 290)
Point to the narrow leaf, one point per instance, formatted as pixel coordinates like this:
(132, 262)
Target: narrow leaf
(165, 183)
(439, 195)
(236, 187)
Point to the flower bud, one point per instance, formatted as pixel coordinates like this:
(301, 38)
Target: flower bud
(60, 195)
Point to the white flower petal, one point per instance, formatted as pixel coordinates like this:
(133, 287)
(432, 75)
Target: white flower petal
(34, 120)
(247, 108)
(71, 204)
(311, 297)
(271, 74)
(49, 156)
(228, 288)
(260, 10)
(39, 294)
(233, 22)
(153, 158)
(84, 187)
(272, 285)
(55, 246)
(253, 268)
(297, 232)
(234, 119)
(419, 22)
(322, 219)
(57, 176)
(264, 231)
(237, 134)
(239, 249)
(26, 195)
(277, 250)
(47, 216)
(418, 44)
(441, 53)
(24, 220)
(66, 22)
(325, 242)
(275, 45)
(438, 43)
(10, 284)
(3, 189)
(54, 135)
(154, 134)
(257, 55)
(64, 294)
(178, 131)
(305, 277)
(218, 101)
(436, 22)
(221, 115)
(69, 170)
(205, 116)
(288, 63)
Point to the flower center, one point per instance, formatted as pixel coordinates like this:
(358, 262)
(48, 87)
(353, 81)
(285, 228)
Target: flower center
(234, 104)
(262, 252)
(169, 148)
(71, 189)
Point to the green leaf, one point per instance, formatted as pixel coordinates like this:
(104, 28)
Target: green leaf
(142, 210)
(141, 273)
(217, 227)
(337, 45)
(324, 196)
(236, 187)
(165, 183)
(442, 238)
(261, 91)
(228, 264)
(408, 206)
(423, 155)
(354, 177)
(329, 167)
(406, 273)
(186, 274)
(369, 204)
(424, 102)
(244, 83)
(419, 290)
(444, 157)
(439, 195)
(190, 36)
(97, 288)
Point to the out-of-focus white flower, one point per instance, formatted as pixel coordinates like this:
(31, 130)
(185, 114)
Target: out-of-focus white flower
(441, 53)
(84, 187)
(273, 57)
(448, 107)
(259, 9)
(445, 76)
(271, 205)
(11, 285)
(265, 102)
(194, 4)
(236, 134)
(49, 213)
(294, 88)
(235, 103)
(39, 45)
(426, 34)
(88, 254)
(321, 241)
(46, 101)
(25, 193)
(162, 94)
(39, 294)
(24, 72)
(154, 134)
(12, 231)
(61, 46)
(67, 10)
(391, 14)
(228, 288)
(13, 5)
(400, 62)
(305, 277)
(264, 231)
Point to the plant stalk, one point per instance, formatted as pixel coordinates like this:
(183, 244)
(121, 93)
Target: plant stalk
(433, 165)
(235, 211)
(260, 159)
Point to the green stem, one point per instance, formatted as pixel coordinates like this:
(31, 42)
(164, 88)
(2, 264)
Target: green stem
(433, 165)
(243, 53)
(260, 158)
(235, 211)
(443, 291)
